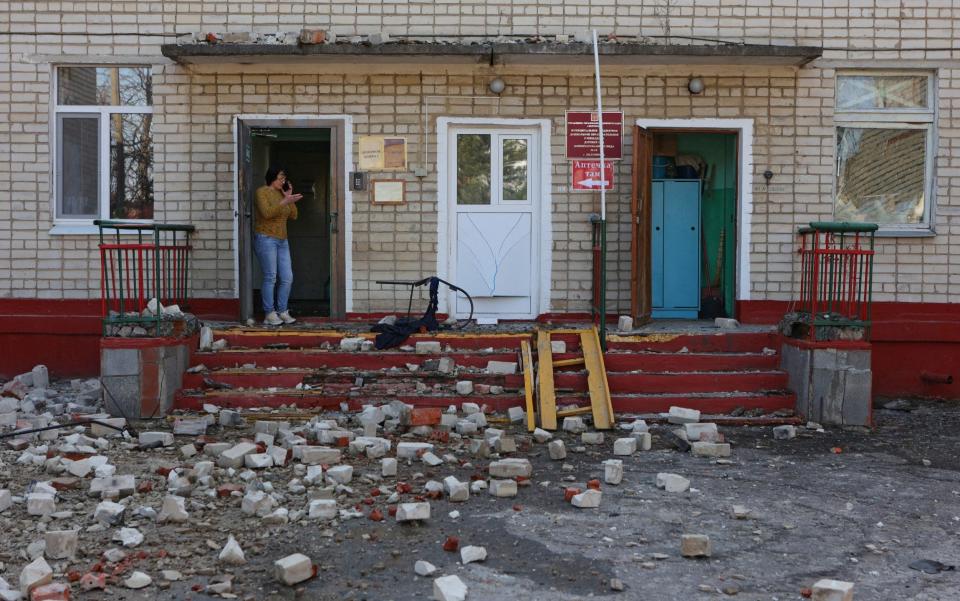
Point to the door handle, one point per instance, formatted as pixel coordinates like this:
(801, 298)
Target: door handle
(334, 225)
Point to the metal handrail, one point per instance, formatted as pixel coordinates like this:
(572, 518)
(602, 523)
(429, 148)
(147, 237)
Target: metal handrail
(133, 273)
(836, 279)
(598, 297)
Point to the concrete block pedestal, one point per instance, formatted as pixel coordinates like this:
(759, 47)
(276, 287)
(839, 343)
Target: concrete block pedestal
(832, 380)
(140, 376)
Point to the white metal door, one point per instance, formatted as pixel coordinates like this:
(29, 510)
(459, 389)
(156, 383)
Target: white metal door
(494, 211)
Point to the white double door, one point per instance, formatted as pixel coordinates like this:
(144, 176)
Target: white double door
(494, 198)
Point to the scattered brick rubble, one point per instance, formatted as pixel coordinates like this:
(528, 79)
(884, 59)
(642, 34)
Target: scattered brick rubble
(90, 507)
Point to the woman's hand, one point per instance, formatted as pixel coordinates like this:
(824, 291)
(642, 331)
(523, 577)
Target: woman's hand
(289, 197)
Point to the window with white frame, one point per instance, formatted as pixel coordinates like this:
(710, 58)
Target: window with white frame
(103, 165)
(885, 148)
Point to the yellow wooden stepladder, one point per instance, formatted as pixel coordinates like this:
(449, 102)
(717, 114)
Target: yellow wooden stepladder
(601, 405)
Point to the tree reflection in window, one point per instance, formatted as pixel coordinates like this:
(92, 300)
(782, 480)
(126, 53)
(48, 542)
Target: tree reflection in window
(514, 169)
(473, 169)
(131, 166)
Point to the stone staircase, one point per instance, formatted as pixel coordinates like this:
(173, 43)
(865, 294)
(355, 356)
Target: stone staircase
(714, 372)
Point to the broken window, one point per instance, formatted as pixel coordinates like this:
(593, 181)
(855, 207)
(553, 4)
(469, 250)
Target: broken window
(104, 146)
(884, 149)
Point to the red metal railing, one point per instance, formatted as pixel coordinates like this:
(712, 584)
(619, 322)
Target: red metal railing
(132, 273)
(836, 275)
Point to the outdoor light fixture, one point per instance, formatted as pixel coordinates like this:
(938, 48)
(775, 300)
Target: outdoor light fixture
(497, 86)
(695, 85)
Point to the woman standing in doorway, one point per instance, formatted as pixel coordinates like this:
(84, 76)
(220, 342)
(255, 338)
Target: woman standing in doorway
(276, 203)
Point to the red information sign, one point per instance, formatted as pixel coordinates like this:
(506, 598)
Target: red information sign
(583, 135)
(586, 175)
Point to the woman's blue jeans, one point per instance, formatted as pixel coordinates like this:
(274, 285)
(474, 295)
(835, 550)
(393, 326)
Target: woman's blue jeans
(274, 257)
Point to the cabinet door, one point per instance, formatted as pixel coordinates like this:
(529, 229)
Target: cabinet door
(681, 244)
(657, 246)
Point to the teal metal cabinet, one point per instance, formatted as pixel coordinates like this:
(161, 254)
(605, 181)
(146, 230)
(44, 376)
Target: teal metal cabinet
(675, 249)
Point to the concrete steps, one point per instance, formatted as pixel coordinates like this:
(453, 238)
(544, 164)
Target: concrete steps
(713, 372)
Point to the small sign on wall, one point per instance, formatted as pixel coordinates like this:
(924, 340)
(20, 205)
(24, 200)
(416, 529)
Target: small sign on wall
(387, 191)
(587, 176)
(382, 153)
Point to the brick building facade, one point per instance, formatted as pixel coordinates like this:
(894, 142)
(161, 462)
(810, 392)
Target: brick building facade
(790, 110)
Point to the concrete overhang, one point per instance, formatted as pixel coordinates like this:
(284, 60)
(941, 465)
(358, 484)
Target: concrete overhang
(492, 53)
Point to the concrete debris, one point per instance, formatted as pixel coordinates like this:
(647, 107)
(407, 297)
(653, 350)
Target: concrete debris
(558, 347)
(681, 415)
(705, 431)
(785, 432)
(35, 574)
(41, 504)
(427, 347)
(288, 474)
(464, 387)
(173, 510)
(456, 491)
(61, 544)
(557, 450)
(832, 590)
(471, 554)
(407, 512)
(588, 499)
(574, 425)
(109, 513)
(503, 488)
(541, 435)
(644, 440)
(511, 468)
(128, 537)
(350, 345)
(502, 367)
(710, 449)
(624, 323)
(726, 323)
(625, 446)
(449, 588)
(672, 482)
(232, 554)
(592, 438)
(695, 545)
(322, 509)
(410, 450)
(293, 569)
(138, 580)
(613, 471)
(424, 568)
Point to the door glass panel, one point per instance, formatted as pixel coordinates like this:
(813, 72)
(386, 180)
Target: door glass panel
(79, 168)
(514, 169)
(473, 169)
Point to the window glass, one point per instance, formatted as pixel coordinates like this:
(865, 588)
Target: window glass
(514, 169)
(873, 92)
(473, 169)
(104, 86)
(79, 166)
(881, 175)
(131, 166)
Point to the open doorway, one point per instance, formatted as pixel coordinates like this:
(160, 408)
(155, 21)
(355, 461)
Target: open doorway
(310, 154)
(686, 204)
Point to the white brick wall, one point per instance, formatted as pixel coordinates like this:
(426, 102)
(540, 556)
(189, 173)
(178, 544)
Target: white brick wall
(792, 109)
